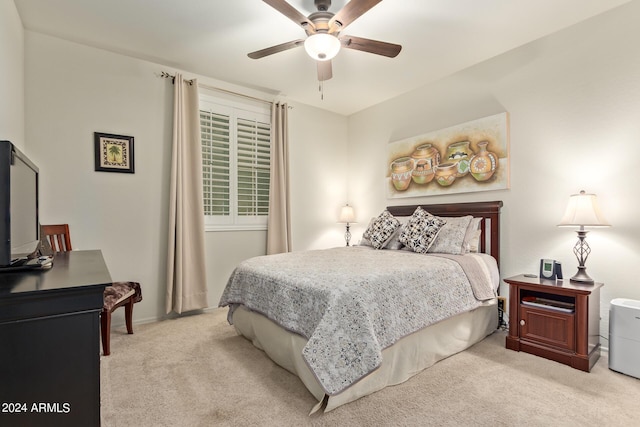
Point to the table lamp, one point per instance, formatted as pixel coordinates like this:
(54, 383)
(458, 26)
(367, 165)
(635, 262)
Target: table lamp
(347, 215)
(582, 211)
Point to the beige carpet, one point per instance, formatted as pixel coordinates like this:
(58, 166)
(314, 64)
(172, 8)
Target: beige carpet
(195, 371)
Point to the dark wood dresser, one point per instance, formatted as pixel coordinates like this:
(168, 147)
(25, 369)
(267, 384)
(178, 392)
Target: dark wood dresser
(50, 342)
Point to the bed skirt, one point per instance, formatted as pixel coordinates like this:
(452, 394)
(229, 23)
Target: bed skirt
(406, 358)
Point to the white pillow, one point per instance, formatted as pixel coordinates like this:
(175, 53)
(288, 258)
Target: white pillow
(472, 237)
(474, 242)
(394, 242)
(364, 241)
(451, 238)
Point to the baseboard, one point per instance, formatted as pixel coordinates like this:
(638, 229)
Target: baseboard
(169, 316)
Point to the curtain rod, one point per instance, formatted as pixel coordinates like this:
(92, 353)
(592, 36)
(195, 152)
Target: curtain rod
(166, 75)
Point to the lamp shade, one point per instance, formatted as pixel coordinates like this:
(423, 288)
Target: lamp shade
(322, 46)
(583, 210)
(347, 215)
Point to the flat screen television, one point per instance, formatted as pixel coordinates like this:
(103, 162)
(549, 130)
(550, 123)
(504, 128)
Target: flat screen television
(19, 222)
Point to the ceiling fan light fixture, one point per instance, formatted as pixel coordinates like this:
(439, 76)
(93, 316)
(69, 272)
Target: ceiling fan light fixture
(322, 46)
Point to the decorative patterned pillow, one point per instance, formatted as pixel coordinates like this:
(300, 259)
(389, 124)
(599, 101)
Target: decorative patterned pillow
(451, 238)
(381, 229)
(421, 230)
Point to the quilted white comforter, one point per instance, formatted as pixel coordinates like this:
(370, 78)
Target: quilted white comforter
(352, 302)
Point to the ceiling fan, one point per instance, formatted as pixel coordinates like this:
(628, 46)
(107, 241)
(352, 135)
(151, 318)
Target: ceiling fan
(323, 33)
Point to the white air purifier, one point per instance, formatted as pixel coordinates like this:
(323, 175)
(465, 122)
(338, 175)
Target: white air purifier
(624, 336)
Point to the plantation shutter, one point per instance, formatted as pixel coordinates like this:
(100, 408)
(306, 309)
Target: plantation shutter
(253, 161)
(215, 132)
(236, 161)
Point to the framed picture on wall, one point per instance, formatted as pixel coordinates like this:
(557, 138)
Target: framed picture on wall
(468, 157)
(113, 153)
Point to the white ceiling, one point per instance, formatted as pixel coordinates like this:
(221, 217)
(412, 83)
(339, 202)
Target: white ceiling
(212, 38)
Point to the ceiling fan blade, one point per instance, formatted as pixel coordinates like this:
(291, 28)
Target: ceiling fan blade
(372, 46)
(275, 49)
(349, 13)
(324, 70)
(292, 13)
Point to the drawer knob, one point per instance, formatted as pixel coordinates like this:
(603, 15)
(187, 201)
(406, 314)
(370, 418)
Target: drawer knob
(522, 322)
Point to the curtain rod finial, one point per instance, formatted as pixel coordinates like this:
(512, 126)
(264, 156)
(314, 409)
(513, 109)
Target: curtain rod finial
(166, 75)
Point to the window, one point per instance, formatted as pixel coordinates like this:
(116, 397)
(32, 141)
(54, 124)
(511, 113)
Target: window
(236, 147)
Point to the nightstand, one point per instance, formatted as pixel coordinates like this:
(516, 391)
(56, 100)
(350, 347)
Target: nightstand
(558, 320)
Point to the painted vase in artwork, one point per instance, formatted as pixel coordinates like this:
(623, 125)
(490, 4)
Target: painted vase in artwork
(459, 153)
(484, 163)
(401, 169)
(446, 173)
(426, 158)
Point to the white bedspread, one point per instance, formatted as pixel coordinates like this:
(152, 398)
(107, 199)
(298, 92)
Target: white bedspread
(352, 302)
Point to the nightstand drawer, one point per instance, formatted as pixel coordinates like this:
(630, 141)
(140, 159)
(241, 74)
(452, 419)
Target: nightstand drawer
(548, 327)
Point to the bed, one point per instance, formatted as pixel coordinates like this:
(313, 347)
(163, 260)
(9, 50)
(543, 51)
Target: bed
(350, 321)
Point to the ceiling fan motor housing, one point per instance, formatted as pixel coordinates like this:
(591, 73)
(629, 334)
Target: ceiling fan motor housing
(322, 5)
(321, 21)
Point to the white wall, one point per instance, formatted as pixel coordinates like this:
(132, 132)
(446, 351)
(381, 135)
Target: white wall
(574, 104)
(74, 90)
(12, 81)
(319, 166)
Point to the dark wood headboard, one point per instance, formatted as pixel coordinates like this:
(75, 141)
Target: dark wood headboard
(489, 211)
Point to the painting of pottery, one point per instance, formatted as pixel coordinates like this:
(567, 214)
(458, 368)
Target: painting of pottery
(459, 153)
(401, 169)
(469, 157)
(446, 173)
(483, 164)
(426, 158)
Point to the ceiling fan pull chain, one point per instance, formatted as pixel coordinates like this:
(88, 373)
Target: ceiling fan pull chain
(321, 89)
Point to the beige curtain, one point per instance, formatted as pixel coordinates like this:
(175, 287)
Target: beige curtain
(186, 271)
(279, 221)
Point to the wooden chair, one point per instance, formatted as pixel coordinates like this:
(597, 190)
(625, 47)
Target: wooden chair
(116, 295)
(58, 236)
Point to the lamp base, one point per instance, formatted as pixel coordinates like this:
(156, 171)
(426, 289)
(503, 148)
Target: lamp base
(582, 250)
(347, 235)
(582, 277)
